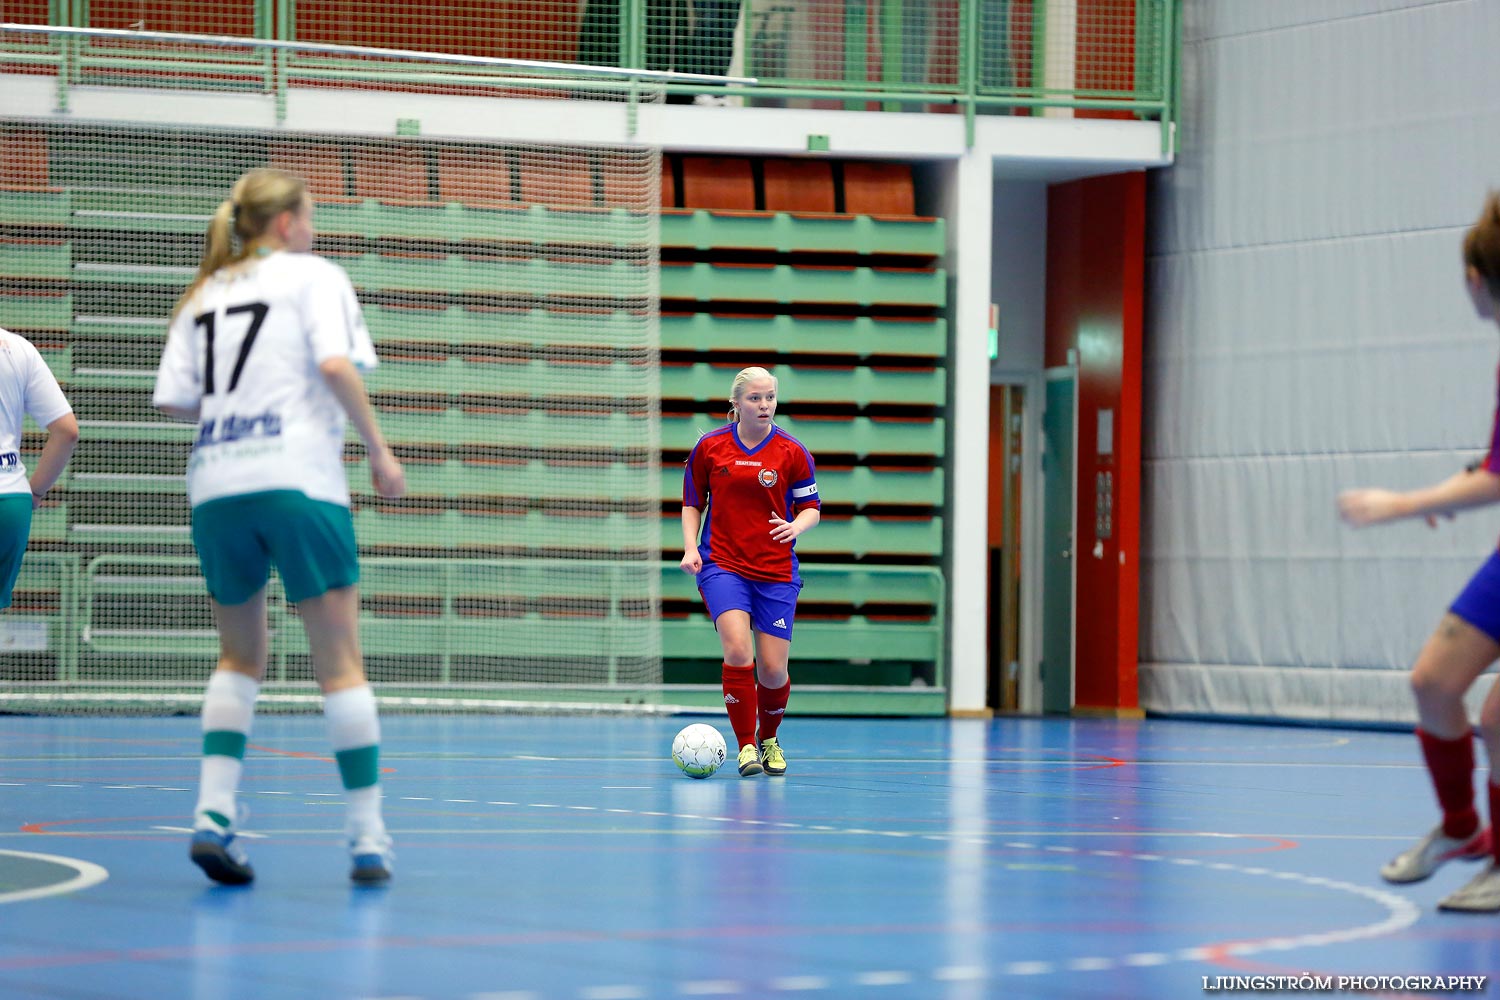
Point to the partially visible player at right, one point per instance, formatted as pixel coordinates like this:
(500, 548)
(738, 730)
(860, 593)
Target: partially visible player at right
(1466, 642)
(751, 489)
(27, 385)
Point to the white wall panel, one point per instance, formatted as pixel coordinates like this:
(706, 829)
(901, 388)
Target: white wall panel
(1307, 331)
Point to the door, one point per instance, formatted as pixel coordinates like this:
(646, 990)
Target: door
(1057, 540)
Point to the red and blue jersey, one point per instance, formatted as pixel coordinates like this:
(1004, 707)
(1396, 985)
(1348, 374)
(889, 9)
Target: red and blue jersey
(738, 489)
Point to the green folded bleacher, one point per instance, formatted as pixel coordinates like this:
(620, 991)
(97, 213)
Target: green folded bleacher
(861, 336)
(35, 208)
(855, 537)
(858, 436)
(532, 328)
(487, 317)
(455, 222)
(535, 378)
(49, 522)
(861, 486)
(916, 636)
(36, 310)
(802, 232)
(427, 530)
(46, 259)
(173, 276)
(473, 478)
(860, 386)
(457, 274)
(786, 283)
(500, 427)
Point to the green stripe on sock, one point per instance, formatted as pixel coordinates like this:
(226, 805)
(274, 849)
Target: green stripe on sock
(360, 767)
(224, 743)
(218, 817)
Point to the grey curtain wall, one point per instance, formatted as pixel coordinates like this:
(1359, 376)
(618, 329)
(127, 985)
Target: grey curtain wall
(1308, 331)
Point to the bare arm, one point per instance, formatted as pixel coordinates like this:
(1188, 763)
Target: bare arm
(62, 438)
(386, 474)
(784, 531)
(692, 520)
(1458, 492)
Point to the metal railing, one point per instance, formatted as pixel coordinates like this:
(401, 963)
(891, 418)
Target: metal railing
(946, 56)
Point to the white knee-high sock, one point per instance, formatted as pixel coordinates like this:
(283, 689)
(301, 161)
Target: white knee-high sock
(354, 727)
(228, 710)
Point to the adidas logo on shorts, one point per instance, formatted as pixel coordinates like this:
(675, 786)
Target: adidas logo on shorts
(779, 623)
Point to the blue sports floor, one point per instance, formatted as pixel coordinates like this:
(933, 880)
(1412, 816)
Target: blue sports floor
(566, 857)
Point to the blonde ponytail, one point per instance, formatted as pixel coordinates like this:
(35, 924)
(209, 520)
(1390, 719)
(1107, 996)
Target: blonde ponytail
(257, 198)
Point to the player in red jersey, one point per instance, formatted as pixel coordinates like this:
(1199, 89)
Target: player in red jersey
(1466, 642)
(751, 489)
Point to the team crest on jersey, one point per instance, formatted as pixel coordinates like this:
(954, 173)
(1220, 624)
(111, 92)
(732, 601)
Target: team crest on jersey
(767, 477)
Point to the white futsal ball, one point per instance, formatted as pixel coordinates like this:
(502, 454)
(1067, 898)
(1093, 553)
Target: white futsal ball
(699, 750)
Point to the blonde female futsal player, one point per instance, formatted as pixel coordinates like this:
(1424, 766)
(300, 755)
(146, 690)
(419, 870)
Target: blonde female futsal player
(27, 386)
(742, 481)
(264, 353)
(1466, 642)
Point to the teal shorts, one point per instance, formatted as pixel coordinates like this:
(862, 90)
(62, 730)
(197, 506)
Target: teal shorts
(15, 526)
(311, 542)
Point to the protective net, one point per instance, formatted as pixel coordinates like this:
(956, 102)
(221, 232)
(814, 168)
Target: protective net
(511, 293)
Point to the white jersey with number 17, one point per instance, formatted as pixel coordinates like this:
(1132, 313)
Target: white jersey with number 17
(245, 351)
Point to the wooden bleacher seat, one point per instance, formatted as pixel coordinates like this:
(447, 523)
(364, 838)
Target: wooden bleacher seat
(390, 173)
(668, 184)
(718, 183)
(799, 185)
(562, 180)
(623, 184)
(23, 160)
(480, 178)
(321, 166)
(879, 189)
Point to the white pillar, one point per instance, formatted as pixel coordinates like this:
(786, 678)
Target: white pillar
(1061, 67)
(971, 235)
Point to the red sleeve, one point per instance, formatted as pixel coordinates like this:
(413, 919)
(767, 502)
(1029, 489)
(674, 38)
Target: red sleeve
(695, 477)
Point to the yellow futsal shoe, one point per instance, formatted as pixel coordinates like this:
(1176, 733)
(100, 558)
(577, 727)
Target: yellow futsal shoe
(749, 760)
(771, 758)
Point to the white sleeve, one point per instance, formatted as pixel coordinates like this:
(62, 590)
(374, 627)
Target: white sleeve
(335, 325)
(179, 383)
(45, 401)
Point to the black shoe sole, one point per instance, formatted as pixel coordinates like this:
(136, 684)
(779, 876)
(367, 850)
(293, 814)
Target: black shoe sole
(370, 876)
(219, 866)
(750, 770)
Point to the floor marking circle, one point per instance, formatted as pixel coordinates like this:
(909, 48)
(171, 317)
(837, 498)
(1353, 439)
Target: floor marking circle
(88, 874)
(1400, 912)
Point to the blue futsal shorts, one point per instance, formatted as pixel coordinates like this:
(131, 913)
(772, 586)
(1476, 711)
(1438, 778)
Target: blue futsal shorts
(1479, 603)
(772, 606)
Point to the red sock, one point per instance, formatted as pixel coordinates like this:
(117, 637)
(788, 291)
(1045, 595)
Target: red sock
(772, 707)
(1451, 764)
(1494, 818)
(739, 700)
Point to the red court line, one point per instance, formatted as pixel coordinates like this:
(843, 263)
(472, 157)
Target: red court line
(42, 827)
